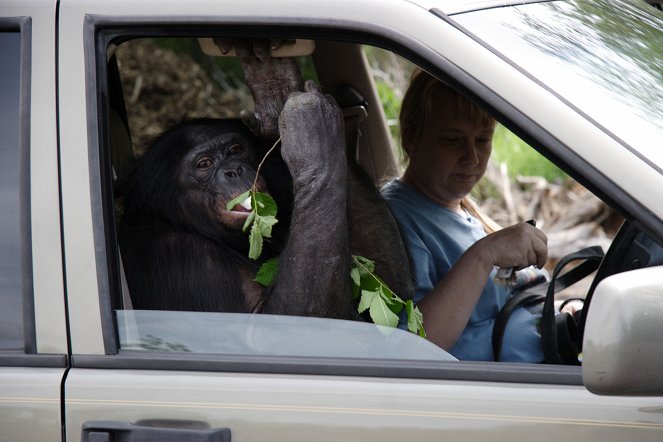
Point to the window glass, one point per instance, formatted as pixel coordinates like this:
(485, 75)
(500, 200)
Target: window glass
(155, 84)
(269, 335)
(11, 251)
(605, 57)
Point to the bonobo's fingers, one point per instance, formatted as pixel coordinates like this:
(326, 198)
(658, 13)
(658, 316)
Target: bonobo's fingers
(312, 136)
(270, 80)
(225, 45)
(249, 119)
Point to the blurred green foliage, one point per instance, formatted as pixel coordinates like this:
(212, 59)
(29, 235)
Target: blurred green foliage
(392, 74)
(520, 158)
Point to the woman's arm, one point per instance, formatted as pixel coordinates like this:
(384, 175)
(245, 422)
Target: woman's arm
(448, 307)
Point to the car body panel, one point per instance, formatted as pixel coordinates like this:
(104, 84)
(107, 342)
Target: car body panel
(324, 408)
(30, 404)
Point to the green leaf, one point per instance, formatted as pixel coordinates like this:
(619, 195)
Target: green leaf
(261, 219)
(264, 224)
(366, 300)
(382, 303)
(392, 301)
(265, 204)
(380, 313)
(415, 319)
(249, 221)
(255, 242)
(354, 274)
(237, 200)
(364, 264)
(267, 272)
(356, 281)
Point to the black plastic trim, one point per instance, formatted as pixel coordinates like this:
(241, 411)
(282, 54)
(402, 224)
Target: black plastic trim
(34, 361)
(100, 175)
(440, 370)
(29, 330)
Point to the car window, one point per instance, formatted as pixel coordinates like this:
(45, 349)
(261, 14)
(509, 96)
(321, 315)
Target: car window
(161, 81)
(12, 251)
(156, 83)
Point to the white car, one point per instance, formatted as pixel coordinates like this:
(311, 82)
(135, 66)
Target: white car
(579, 80)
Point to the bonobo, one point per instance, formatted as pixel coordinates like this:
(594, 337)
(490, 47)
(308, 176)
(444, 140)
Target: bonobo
(183, 250)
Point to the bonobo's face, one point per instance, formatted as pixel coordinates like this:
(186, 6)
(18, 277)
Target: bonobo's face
(216, 171)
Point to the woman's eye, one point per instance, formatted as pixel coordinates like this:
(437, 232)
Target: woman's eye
(451, 141)
(235, 150)
(204, 163)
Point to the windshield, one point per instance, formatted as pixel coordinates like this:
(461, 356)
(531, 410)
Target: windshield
(605, 57)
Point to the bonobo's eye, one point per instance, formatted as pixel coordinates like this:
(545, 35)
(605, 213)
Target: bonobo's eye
(204, 163)
(234, 150)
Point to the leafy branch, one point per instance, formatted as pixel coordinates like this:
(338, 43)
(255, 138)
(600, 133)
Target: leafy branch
(262, 217)
(382, 303)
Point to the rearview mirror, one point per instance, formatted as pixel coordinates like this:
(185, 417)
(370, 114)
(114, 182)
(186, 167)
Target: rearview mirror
(623, 342)
(283, 48)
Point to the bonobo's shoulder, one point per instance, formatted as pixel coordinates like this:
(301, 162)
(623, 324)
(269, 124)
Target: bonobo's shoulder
(397, 193)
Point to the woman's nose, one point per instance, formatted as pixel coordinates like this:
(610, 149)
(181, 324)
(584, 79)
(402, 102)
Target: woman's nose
(470, 154)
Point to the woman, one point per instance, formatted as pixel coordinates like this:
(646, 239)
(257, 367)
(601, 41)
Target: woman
(447, 141)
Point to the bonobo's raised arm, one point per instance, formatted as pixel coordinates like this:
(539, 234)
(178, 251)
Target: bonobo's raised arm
(314, 269)
(271, 81)
(315, 265)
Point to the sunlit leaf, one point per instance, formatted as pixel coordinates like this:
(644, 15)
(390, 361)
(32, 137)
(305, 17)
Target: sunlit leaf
(267, 272)
(380, 313)
(366, 300)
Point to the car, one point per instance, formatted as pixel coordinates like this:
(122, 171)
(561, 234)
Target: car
(579, 81)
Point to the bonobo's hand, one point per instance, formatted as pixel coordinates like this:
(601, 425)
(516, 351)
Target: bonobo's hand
(518, 246)
(312, 136)
(271, 81)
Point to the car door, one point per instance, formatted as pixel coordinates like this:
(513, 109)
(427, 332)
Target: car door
(150, 375)
(33, 341)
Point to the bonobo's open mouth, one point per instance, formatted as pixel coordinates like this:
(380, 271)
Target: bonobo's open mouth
(244, 206)
(235, 217)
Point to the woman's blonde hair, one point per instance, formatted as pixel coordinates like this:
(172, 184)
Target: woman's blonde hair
(415, 115)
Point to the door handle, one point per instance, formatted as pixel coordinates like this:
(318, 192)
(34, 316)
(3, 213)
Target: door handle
(145, 431)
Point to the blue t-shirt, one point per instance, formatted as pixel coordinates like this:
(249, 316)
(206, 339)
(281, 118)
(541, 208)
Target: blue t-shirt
(436, 237)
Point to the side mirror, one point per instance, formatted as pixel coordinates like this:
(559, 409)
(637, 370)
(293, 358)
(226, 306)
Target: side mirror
(623, 342)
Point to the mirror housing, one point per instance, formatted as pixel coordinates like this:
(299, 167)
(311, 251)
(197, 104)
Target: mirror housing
(623, 341)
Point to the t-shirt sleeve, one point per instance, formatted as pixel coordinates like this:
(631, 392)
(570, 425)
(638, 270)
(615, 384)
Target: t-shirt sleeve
(424, 267)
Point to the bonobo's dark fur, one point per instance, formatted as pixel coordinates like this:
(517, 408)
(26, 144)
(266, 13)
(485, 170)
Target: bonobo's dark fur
(183, 251)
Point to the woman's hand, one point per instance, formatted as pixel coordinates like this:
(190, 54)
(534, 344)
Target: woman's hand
(519, 246)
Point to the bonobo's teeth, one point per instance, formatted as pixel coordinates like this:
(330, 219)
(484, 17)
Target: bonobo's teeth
(246, 203)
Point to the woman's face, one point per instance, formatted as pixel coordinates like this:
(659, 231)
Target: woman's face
(451, 155)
